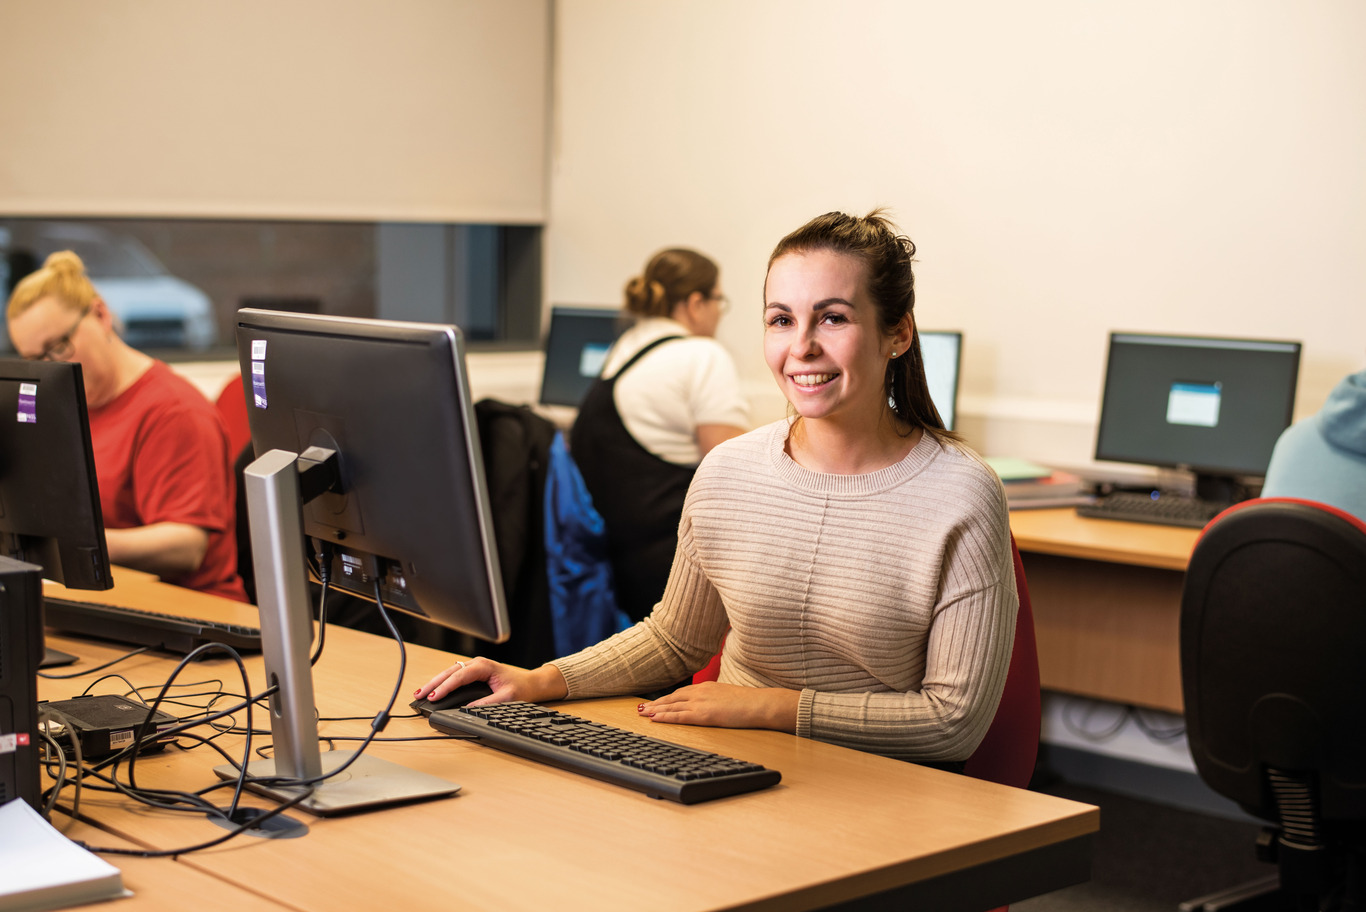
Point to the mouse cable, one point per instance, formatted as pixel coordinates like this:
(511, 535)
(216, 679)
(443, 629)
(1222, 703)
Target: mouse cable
(253, 823)
(89, 671)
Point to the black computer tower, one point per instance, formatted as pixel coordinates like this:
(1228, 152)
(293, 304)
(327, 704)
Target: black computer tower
(21, 650)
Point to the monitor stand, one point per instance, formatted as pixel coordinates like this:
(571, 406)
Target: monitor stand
(1220, 489)
(274, 509)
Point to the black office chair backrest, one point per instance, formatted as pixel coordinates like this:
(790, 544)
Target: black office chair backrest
(1273, 654)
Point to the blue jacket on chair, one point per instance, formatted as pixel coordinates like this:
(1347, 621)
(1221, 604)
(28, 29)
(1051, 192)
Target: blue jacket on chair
(583, 605)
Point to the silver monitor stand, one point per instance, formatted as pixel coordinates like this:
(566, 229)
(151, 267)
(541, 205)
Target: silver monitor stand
(275, 512)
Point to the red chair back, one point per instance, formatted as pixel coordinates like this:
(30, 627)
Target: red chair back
(232, 408)
(1011, 747)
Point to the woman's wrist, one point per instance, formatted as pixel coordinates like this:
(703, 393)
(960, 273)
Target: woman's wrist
(548, 684)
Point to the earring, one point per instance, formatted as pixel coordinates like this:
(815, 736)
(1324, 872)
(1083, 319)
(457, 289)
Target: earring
(893, 356)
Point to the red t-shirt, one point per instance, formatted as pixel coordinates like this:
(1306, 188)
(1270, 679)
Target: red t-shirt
(161, 455)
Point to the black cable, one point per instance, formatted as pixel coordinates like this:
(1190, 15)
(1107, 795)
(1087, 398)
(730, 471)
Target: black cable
(116, 677)
(89, 671)
(324, 559)
(252, 824)
(1080, 728)
(381, 720)
(1164, 735)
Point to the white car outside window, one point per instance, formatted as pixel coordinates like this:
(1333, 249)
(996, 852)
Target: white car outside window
(154, 309)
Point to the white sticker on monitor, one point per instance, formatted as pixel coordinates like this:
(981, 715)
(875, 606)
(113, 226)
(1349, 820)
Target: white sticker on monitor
(258, 374)
(1194, 404)
(591, 359)
(28, 403)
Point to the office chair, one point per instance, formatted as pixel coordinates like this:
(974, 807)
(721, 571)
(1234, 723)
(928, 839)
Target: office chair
(1273, 642)
(1010, 748)
(232, 409)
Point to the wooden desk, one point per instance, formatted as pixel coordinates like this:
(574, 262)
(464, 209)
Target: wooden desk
(164, 884)
(842, 827)
(1107, 604)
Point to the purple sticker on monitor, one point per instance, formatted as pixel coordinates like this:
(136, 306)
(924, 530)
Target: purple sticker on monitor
(28, 403)
(258, 383)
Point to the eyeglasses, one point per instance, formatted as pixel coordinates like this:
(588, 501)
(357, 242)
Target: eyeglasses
(61, 348)
(722, 302)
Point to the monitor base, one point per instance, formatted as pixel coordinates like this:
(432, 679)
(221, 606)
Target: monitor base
(366, 784)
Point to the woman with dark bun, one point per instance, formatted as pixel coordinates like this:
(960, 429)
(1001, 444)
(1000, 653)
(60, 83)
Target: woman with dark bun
(668, 394)
(858, 553)
(161, 453)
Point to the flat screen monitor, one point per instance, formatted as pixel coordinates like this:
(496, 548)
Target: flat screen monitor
(367, 447)
(575, 347)
(941, 351)
(1213, 406)
(49, 496)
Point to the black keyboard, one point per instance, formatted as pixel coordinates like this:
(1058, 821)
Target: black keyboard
(170, 632)
(660, 769)
(1167, 509)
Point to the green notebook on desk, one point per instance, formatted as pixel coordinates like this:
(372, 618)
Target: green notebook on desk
(1012, 469)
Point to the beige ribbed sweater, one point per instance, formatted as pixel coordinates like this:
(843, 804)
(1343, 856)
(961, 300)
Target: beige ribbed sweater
(887, 599)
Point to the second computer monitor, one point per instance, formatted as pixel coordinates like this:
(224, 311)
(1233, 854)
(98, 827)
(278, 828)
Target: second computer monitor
(575, 348)
(49, 493)
(941, 351)
(1215, 406)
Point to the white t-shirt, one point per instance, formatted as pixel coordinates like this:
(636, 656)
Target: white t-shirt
(673, 389)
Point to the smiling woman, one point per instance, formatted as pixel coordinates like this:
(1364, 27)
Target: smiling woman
(855, 557)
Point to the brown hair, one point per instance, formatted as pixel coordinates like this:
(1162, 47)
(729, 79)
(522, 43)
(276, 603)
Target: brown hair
(886, 256)
(670, 277)
(62, 276)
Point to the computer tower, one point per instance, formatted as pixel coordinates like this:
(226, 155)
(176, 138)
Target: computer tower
(21, 650)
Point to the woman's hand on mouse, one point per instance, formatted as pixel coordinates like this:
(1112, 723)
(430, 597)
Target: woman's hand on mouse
(508, 682)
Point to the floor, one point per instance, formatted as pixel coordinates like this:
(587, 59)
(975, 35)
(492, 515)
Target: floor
(1150, 856)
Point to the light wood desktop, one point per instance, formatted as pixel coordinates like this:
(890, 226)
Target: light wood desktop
(842, 827)
(1107, 604)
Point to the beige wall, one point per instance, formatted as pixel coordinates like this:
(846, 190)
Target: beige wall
(1066, 168)
(404, 110)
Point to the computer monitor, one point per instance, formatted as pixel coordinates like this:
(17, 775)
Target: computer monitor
(575, 347)
(366, 446)
(1212, 406)
(941, 351)
(49, 496)
(50, 523)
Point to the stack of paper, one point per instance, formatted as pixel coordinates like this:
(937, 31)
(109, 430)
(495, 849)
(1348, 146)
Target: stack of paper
(42, 869)
(1030, 485)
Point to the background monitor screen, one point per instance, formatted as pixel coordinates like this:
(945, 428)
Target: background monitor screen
(941, 351)
(392, 400)
(49, 495)
(1215, 406)
(575, 347)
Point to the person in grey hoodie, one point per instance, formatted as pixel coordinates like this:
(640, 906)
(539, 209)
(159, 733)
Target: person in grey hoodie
(1323, 457)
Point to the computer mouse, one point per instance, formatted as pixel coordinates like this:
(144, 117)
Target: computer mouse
(456, 698)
